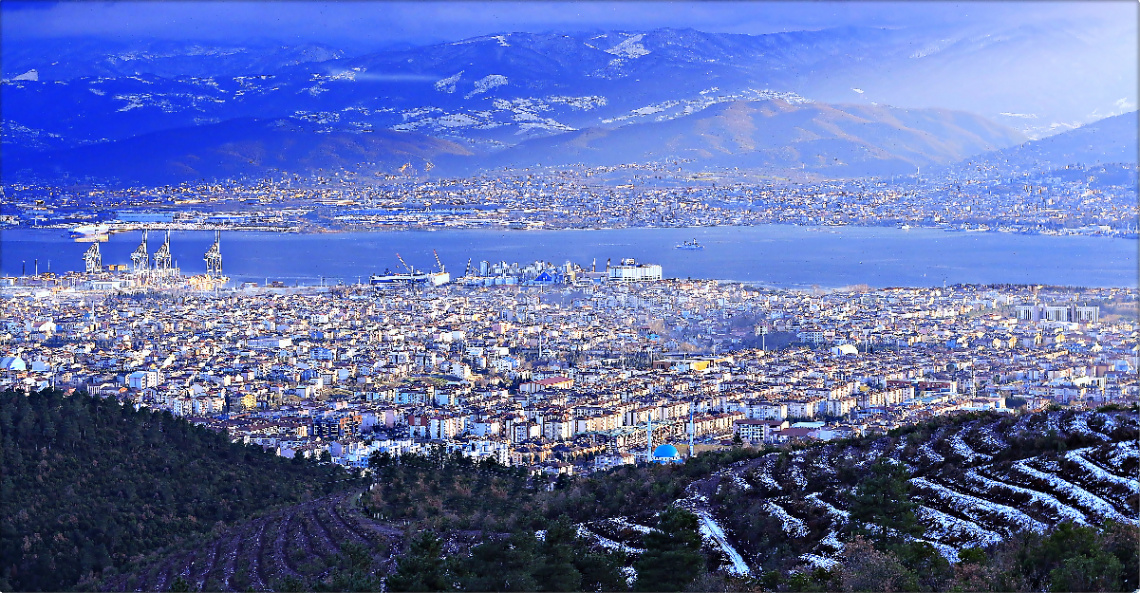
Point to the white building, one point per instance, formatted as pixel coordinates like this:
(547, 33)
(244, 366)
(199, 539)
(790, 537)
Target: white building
(631, 271)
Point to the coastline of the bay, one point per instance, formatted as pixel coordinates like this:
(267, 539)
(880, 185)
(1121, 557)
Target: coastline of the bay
(779, 255)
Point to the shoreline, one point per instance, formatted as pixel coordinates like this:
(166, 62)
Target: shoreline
(323, 230)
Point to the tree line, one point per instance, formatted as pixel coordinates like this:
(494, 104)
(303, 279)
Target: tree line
(89, 485)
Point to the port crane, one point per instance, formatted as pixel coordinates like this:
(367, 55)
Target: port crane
(405, 264)
(93, 258)
(437, 262)
(213, 257)
(140, 259)
(162, 257)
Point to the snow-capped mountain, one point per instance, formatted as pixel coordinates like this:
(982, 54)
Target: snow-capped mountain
(494, 92)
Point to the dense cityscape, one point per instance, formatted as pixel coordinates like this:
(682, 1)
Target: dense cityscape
(569, 296)
(562, 369)
(1091, 200)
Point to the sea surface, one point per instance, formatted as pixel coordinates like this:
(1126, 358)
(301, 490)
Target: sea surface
(773, 255)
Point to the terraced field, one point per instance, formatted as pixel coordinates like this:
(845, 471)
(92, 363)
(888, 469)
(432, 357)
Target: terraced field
(299, 542)
(974, 482)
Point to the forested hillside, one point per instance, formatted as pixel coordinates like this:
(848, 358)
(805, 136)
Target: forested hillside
(1037, 502)
(89, 485)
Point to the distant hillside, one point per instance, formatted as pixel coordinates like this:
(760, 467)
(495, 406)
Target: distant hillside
(1110, 140)
(832, 140)
(90, 485)
(243, 147)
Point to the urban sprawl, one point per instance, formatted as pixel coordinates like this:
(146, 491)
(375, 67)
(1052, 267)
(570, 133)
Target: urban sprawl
(1095, 200)
(562, 368)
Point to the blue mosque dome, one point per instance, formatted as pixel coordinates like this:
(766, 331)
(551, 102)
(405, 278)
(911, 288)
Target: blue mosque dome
(665, 452)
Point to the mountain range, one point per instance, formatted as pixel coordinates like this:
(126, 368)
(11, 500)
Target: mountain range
(808, 100)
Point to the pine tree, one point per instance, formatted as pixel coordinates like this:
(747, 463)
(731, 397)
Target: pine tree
(882, 500)
(421, 568)
(672, 557)
(556, 570)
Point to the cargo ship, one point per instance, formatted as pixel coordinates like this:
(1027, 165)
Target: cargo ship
(412, 277)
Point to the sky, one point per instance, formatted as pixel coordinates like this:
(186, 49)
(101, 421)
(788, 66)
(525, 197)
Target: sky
(363, 22)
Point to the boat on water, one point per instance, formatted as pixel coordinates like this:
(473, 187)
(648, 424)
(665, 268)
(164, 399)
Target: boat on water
(90, 233)
(410, 278)
(90, 229)
(691, 245)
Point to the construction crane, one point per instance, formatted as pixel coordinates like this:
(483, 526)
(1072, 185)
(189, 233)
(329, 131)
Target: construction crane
(437, 262)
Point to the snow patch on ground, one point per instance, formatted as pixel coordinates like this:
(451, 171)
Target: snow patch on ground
(933, 456)
(835, 512)
(650, 110)
(456, 120)
(986, 435)
(630, 574)
(817, 561)
(950, 553)
(791, 525)
(832, 541)
(971, 505)
(958, 444)
(1125, 451)
(1079, 424)
(623, 522)
(1086, 499)
(763, 474)
(447, 85)
(710, 529)
(672, 109)
(606, 542)
(1064, 511)
(584, 103)
(943, 526)
(487, 83)
(630, 47)
(797, 474)
(1078, 456)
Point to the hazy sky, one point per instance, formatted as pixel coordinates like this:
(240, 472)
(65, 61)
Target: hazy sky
(362, 21)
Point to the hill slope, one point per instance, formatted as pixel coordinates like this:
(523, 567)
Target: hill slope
(245, 147)
(90, 485)
(1110, 140)
(832, 140)
(1002, 484)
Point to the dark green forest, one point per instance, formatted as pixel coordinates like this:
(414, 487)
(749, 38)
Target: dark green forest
(96, 495)
(89, 485)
